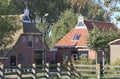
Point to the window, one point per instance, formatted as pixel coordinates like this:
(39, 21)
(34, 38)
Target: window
(29, 43)
(23, 39)
(13, 60)
(38, 57)
(83, 54)
(65, 57)
(36, 39)
(76, 37)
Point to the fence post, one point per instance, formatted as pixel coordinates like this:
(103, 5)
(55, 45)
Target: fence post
(1, 71)
(19, 71)
(58, 70)
(98, 71)
(69, 70)
(34, 71)
(47, 73)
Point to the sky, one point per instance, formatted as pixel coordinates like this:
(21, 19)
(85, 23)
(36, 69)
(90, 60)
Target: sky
(114, 14)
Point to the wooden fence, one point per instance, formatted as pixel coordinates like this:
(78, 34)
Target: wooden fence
(60, 71)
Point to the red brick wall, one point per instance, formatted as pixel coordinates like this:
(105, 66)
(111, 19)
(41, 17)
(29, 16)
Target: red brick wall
(61, 51)
(21, 48)
(51, 57)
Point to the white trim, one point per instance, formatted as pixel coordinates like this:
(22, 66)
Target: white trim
(83, 49)
(26, 21)
(53, 49)
(81, 46)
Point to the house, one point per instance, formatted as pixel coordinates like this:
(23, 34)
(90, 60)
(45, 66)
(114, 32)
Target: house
(114, 50)
(29, 48)
(74, 43)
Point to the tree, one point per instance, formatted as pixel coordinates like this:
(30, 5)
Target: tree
(90, 10)
(8, 27)
(40, 7)
(7, 7)
(98, 39)
(8, 24)
(79, 4)
(66, 22)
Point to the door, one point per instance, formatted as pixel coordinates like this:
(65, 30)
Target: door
(13, 60)
(38, 57)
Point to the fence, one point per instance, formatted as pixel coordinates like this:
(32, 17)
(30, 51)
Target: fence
(59, 71)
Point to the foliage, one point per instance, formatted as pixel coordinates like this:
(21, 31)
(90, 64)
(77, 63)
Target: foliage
(40, 7)
(79, 4)
(84, 61)
(8, 27)
(117, 62)
(66, 22)
(90, 10)
(7, 7)
(99, 39)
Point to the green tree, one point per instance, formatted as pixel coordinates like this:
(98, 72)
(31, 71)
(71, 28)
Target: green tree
(90, 10)
(8, 23)
(66, 22)
(8, 27)
(7, 7)
(40, 7)
(99, 39)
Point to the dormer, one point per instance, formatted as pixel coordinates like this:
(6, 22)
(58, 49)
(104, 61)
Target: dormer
(80, 23)
(26, 17)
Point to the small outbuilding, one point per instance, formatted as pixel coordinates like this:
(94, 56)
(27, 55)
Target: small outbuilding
(114, 50)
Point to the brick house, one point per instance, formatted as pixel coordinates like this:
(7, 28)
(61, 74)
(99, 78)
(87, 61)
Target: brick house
(114, 50)
(74, 43)
(28, 48)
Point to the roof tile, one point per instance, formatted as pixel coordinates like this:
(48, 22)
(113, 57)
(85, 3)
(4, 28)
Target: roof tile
(67, 40)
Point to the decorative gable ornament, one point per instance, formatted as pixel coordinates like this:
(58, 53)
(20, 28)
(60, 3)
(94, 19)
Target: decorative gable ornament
(26, 17)
(80, 23)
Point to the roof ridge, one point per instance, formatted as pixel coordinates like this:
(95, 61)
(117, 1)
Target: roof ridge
(98, 21)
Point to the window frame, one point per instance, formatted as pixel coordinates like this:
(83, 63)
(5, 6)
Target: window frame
(30, 44)
(76, 37)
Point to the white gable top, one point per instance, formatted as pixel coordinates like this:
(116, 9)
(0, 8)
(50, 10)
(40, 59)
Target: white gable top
(80, 23)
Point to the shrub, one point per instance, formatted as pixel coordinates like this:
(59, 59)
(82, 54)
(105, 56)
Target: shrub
(84, 61)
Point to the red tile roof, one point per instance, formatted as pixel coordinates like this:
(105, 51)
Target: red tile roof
(67, 40)
(100, 24)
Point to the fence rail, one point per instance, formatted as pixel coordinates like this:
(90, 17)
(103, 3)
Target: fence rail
(60, 71)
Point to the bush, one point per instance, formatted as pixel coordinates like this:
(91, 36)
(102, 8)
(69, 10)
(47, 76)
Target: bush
(84, 61)
(117, 62)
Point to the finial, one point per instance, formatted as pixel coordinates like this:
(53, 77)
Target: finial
(80, 23)
(80, 18)
(26, 14)
(26, 11)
